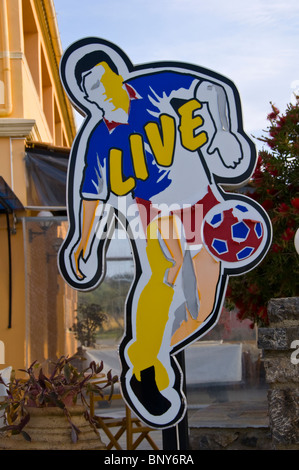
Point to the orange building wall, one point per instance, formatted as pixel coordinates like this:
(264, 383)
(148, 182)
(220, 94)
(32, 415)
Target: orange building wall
(33, 107)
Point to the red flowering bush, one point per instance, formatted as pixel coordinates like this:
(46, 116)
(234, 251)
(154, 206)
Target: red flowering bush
(275, 185)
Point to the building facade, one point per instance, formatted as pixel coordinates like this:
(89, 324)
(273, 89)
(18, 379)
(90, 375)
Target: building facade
(37, 127)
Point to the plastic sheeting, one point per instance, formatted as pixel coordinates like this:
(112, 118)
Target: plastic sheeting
(50, 302)
(8, 200)
(46, 174)
(206, 363)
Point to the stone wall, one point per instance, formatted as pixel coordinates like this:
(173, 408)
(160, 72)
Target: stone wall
(280, 345)
(218, 438)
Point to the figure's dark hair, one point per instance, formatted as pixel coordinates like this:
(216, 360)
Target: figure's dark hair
(91, 60)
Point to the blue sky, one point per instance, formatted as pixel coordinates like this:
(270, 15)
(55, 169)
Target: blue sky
(255, 43)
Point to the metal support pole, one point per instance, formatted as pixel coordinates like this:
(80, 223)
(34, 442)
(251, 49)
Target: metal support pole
(9, 273)
(177, 437)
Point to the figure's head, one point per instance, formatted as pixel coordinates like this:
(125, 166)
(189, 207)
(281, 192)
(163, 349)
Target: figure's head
(98, 77)
(88, 61)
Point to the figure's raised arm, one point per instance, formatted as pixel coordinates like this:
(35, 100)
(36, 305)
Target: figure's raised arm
(224, 140)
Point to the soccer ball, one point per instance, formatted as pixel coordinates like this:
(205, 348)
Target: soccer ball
(233, 231)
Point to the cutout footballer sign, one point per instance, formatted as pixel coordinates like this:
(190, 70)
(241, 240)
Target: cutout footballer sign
(158, 144)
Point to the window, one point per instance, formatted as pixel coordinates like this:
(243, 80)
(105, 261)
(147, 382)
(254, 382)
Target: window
(31, 45)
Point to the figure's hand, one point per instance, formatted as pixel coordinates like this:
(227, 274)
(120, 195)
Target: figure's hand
(228, 147)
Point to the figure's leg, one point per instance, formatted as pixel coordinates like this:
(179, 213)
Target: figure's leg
(148, 352)
(207, 273)
(155, 299)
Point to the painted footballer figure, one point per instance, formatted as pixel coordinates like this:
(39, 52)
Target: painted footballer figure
(159, 144)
